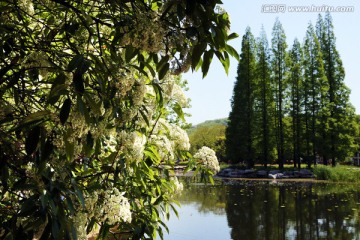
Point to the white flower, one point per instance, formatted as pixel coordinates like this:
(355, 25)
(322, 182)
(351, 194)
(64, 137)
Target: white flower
(178, 186)
(27, 6)
(179, 96)
(207, 157)
(116, 207)
(132, 144)
(110, 143)
(164, 147)
(180, 138)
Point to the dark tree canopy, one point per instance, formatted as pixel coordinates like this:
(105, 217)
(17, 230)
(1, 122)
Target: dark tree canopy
(89, 95)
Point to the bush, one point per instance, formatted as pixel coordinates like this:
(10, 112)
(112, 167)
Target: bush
(337, 174)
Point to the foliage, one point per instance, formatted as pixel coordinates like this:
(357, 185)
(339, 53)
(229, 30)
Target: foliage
(315, 87)
(265, 104)
(296, 96)
(279, 68)
(291, 103)
(210, 134)
(240, 130)
(208, 123)
(337, 174)
(88, 105)
(340, 112)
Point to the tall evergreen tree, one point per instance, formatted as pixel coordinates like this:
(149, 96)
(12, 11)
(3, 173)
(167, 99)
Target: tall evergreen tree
(296, 98)
(278, 74)
(315, 88)
(265, 100)
(239, 133)
(339, 106)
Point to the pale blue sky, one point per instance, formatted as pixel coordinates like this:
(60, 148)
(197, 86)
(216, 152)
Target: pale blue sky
(210, 97)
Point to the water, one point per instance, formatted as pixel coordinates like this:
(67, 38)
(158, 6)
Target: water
(266, 210)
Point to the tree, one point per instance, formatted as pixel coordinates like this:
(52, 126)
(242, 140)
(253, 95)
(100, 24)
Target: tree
(265, 100)
(315, 88)
(210, 136)
(88, 95)
(296, 96)
(278, 75)
(339, 107)
(240, 130)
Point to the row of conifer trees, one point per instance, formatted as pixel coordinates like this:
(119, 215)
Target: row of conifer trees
(291, 103)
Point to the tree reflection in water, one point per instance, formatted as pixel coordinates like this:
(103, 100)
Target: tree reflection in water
(280, 210)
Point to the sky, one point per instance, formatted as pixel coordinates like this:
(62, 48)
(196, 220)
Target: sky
(211, 96)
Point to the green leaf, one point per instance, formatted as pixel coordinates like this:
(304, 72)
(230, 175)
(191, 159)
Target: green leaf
(95, 107)
(158, 91)
(144, 116)
(69, 149)
(90, 227)
(162, 62)
(130, 53)
(163, 71)
(232, 36)
(33, 118)
(153, 154)
(79, 63)
(56, 92)
(208, 55)
(83, 109)
(65, 111)
(196, 54)
(80, 196)
(232, 52)
(70, 205)
(225, 60)
(84, 66)
(78, 82)
(88, 147)
(150, 68)
(75, 62)
(178, 110)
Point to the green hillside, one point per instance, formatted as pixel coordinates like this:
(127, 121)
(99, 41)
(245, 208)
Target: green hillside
(208, 123)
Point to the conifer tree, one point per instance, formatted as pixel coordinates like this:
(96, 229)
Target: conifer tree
(296, 98)
(278, 75)
(341, 113)
(239, 133)
(315, 86)
(265, 100)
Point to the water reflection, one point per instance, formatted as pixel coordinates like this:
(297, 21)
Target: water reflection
(267, 210)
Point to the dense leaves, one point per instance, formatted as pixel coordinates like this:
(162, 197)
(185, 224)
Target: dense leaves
(88, 98)
(291, 103)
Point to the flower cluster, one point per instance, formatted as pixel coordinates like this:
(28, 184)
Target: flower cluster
(132, 144)
(179, 137)
(169, 139)
(116, 207)
(163, 146)
(207, 157)
(178, 186)
(145, 34)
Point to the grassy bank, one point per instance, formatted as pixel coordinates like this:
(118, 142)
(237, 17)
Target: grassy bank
(338, 173)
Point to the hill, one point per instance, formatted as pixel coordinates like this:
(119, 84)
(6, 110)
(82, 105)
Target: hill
(208, 123)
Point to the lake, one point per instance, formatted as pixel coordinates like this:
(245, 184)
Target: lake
(266, 210)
